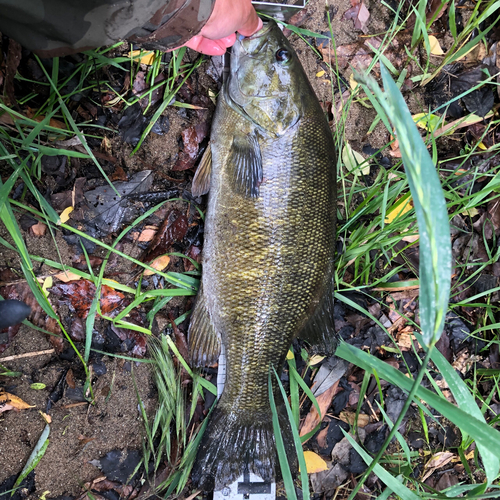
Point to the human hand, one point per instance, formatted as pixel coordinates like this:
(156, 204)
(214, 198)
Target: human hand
(227, 17)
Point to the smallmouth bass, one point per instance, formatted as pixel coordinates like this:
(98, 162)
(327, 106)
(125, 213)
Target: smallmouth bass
(268, 251)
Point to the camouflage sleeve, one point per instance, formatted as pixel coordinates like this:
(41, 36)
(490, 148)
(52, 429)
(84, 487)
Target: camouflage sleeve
(60, 27)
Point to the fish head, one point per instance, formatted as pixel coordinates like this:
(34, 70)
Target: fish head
(266, 82)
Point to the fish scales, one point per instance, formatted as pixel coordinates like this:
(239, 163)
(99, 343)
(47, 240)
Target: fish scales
(267, 257)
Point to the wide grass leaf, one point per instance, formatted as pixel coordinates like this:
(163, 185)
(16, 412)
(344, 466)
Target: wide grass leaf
(430, 208)
(482, 433)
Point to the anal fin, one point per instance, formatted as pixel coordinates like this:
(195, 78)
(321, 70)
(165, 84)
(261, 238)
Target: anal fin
(319, 331)
(204, 342)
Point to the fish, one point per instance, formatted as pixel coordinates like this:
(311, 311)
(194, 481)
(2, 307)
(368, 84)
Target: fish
(267, 262)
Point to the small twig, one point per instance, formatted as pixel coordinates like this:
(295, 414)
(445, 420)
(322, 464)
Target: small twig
(27, 355)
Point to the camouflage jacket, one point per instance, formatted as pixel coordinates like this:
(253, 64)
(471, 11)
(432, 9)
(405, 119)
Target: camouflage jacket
(60, 27)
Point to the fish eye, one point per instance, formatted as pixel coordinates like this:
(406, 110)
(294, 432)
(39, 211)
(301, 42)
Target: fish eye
(283, 55)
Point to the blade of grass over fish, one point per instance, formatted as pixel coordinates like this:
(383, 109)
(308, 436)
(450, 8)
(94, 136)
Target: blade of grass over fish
(205, 383)
(430, 207)
(467, 403)
(296, 441)
(294, 387)
(483, 433)
(280, 447)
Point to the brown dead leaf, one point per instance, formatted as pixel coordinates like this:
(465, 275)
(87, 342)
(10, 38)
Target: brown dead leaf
(438, 460)
(173, 229)
(70, 379)
(191, 139)
(147, 234)
(359, 13)
(11, 402)
(350, 418)
(38, 230)
(324, 401)
(160, 263)
(78, 295)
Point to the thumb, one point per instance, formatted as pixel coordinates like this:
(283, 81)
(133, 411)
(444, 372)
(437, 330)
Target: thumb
(252, 25)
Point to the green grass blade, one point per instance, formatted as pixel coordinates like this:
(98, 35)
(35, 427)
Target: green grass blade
(280, 447)
(400, 489)
(430, 208)
(465, 402)
(482, 433)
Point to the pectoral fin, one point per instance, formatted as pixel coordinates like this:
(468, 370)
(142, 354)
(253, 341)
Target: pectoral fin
(320, 329)
(204, 342)
(246, 161)
(201, 180)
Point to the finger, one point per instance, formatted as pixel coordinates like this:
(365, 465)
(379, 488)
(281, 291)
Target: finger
(253, 24)
(211, 47)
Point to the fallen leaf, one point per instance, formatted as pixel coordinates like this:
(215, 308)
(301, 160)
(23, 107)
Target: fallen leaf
(38, 230)
(67, 276)
(159, 264)
(438, 460)
(147, 234)
(354, 161)
(434, 46)
(65, 214)
(400, 207)
(11, 402)
(359, 13)
(141, 56)
(428, 121)
(47, 418)
(314, 463)
(317, 358)
(324, 400)
(350, 418)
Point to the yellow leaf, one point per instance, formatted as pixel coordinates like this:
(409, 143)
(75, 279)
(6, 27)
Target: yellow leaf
(319, 74)
(352, 82)
(428, 121)
(435, 48)
(67, 276)
(9, 402)
(401, 206)
(65, 214)
(471, 212)
(48, 282)
(47, 418)
(482, 146)
(316, 359)
(314, 463)
(159, 264)
(289, 354)
(144, 57)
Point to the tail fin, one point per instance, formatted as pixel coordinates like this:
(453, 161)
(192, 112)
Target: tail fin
(234, 443)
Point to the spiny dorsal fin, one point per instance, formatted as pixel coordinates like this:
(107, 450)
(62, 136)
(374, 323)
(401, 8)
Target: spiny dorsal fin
(246, 161)
(204, 342)
(201, 180)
